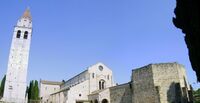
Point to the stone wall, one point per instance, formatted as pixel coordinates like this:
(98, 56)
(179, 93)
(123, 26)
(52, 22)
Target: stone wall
(121, 93)
(160, 83)
(143, 86)
(170, 79)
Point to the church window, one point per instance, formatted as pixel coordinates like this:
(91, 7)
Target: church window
(79, 95)
(18, 34)
(108, 77)
(25, 34)
(93, 75)
(101, 68)
(101, 84)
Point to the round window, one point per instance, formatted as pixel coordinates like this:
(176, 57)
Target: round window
(100, 68)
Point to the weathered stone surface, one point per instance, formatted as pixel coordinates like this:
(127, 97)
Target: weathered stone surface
(121, 94)
(143, 86)
(160, 83)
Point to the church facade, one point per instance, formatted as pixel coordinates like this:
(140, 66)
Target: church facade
(155, 83)
(95, 78)
(15, 85)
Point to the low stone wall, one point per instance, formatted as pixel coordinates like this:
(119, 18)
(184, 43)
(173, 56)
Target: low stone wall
(121, 93)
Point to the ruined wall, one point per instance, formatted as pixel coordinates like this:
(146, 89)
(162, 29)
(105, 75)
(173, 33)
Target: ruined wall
(171, 81)
(143, 86)
(121, 94)
(160, 83)
(166, 80)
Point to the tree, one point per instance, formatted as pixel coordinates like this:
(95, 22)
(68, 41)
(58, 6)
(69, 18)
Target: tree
(36, 90)
(33, 91)
(29, 90)
(188, 19)
(196, 95)
(2, 86)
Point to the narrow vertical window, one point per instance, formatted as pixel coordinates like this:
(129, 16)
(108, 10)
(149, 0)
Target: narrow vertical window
(25, 34)
(93, 75)
(102, 85)
(99, 85)
(18, 34)
(108, 77)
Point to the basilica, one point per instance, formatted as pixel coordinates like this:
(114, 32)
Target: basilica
(155, 83)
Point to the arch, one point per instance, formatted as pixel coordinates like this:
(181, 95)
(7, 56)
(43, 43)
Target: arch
(95, 101)
(18, 34)
(101, 84)
(25, 34)
(104, 101)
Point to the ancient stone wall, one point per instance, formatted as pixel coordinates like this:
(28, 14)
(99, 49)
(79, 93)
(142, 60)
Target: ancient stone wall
(171, 81)
(160, 83)
(121, 93)
(166, 79)
(143, 86)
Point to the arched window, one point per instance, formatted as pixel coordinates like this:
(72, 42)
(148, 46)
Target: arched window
(101, 84)
(25, 34)
(18, 34)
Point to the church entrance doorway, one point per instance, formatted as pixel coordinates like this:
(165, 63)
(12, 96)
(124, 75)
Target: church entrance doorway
(104, 101)
(95, 101)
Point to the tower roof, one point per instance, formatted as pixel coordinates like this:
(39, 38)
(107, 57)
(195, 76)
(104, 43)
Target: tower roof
(27, 14)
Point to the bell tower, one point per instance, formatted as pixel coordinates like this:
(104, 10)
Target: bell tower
(16, 76)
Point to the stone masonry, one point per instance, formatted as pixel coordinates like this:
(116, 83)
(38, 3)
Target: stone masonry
(160, 83)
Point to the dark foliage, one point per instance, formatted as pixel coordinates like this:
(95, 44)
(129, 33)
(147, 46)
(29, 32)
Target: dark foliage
(33, 91)
(2, 86)
(196, 95)
(188, 19)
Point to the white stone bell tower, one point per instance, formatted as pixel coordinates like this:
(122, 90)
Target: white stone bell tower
(16, 76)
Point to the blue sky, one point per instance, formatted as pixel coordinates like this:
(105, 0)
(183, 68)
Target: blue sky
(70, 35)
